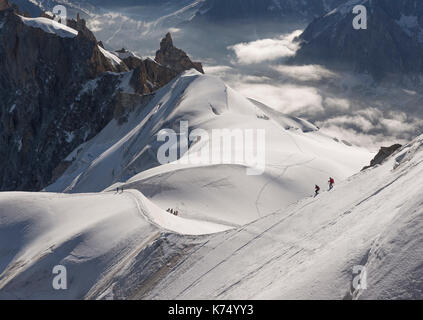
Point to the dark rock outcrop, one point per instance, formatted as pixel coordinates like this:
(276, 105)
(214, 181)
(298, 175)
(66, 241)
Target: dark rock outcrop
(81, 26)
(174, 58)
(31, 8)
(383, 154)
(147, 74)
(150, 76)
(57, 93)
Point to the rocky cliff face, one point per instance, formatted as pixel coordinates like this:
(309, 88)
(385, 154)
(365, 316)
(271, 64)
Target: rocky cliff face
(391, 46)
(58, 92)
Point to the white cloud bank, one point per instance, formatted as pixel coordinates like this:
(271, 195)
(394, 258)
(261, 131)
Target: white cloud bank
(266, 49)
(289, 99)
(305, 73)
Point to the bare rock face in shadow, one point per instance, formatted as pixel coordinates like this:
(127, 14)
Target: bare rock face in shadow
(4, 4)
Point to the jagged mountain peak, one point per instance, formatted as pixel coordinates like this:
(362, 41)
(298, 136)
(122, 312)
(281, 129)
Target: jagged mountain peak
(58, 88)
(174, 58)
(167, 42)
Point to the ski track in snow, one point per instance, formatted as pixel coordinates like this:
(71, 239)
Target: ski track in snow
(284, 171)
(239, 249)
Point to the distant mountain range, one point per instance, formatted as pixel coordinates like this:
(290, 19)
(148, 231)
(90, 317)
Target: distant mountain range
(206, 10)
(391, 46)
(235, 10)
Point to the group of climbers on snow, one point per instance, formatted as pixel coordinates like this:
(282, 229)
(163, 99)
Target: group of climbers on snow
(119, 189)
(331, 184)
(174, 212)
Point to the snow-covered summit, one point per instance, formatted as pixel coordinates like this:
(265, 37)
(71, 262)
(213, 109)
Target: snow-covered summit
(297, 156)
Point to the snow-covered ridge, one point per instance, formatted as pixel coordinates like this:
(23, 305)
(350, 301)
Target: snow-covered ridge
(113, 58)
(347, 7)
(50, 26)
(125, 54)
(297, 155)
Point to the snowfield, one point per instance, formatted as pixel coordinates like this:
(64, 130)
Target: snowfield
(308, 251)
(297, 156)
(237, 236)
(374, 220)
(91, 234)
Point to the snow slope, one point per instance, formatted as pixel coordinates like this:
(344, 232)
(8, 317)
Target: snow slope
(91, 234)
(113, 58)
(373, 219)
(113, 249)
(296, 155)
(39, 231)
(50, 26)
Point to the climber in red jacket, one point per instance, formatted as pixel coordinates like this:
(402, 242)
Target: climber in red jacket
(331, 183)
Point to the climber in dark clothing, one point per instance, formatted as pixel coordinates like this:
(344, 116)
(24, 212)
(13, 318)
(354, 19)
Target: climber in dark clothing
(317, 190)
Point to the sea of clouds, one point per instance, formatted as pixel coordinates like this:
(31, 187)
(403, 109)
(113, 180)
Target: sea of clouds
(347, 106)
